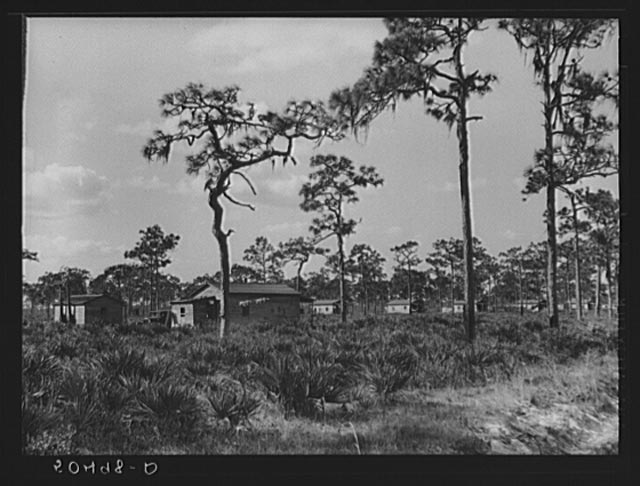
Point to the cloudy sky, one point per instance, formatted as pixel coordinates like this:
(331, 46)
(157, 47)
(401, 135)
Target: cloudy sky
(91, 102)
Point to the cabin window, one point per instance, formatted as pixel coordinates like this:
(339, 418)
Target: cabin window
(183, 311)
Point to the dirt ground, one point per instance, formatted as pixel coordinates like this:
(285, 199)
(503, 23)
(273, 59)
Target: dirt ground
(532, 423)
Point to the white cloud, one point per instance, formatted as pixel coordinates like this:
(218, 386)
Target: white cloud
(251, 45)
(64, 190)
(510, 235)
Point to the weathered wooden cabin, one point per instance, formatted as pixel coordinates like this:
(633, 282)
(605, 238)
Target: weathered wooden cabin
(91, 308)
(247, 302)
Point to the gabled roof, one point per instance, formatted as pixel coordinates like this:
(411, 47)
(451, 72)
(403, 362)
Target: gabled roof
(398, 302)
(262, 288)
(211, 290)
(81, 299)
(196, 291)
(326, 301)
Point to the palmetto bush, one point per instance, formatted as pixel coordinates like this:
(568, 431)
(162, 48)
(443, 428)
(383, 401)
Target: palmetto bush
(387, 370)
(304, 380)
(328, 379)
(437, 365)
(280, 375)
(233, 403)
(171, 407)
(125, 362)
(37, 421)
(575, 340)
(80, 397)
(40, 375)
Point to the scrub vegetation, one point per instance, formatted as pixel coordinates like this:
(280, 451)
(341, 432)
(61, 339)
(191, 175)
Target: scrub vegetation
(378, 385)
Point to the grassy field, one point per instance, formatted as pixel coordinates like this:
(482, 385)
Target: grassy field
(406, 385)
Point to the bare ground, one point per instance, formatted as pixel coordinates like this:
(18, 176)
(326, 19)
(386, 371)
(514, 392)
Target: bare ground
(571, 410)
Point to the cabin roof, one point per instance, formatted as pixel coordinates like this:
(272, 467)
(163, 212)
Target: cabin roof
(398, 302)
(325, 301)
(81, 299)
(211, 291)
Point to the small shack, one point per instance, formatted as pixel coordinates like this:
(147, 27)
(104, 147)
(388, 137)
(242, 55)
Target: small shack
(458, 307)
(398, 306)
(247, 302)
(91, 308)
(326, 306)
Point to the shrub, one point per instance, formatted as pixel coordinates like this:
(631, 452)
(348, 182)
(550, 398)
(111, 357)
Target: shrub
(233, 404)
(172, 408)
(388, 370)
(303, 382)
(124, 362)
(37, 420)
(39, 372)
(80, 397)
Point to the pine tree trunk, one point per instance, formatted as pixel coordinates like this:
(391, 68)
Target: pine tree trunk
(552, 250)
(609, 285)
(567, 293)
(222, 238)
(465, 197)
(366, 300)
(520, 287)
(598, 277)
(60, 298)
(298, 276)
(576, 248)
(364, 289)
(343, 304)
(409, 286)
(452, 287)
(155, 285)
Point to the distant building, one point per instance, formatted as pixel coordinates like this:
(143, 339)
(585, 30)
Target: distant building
(458, 307)
(247, 302)
(527, 304)
(398, 306)
(91, 308)
(326, 306)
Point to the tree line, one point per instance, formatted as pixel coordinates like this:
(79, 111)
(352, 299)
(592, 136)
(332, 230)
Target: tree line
(430, 281)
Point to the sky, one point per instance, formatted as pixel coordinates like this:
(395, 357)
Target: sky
(91, 102)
